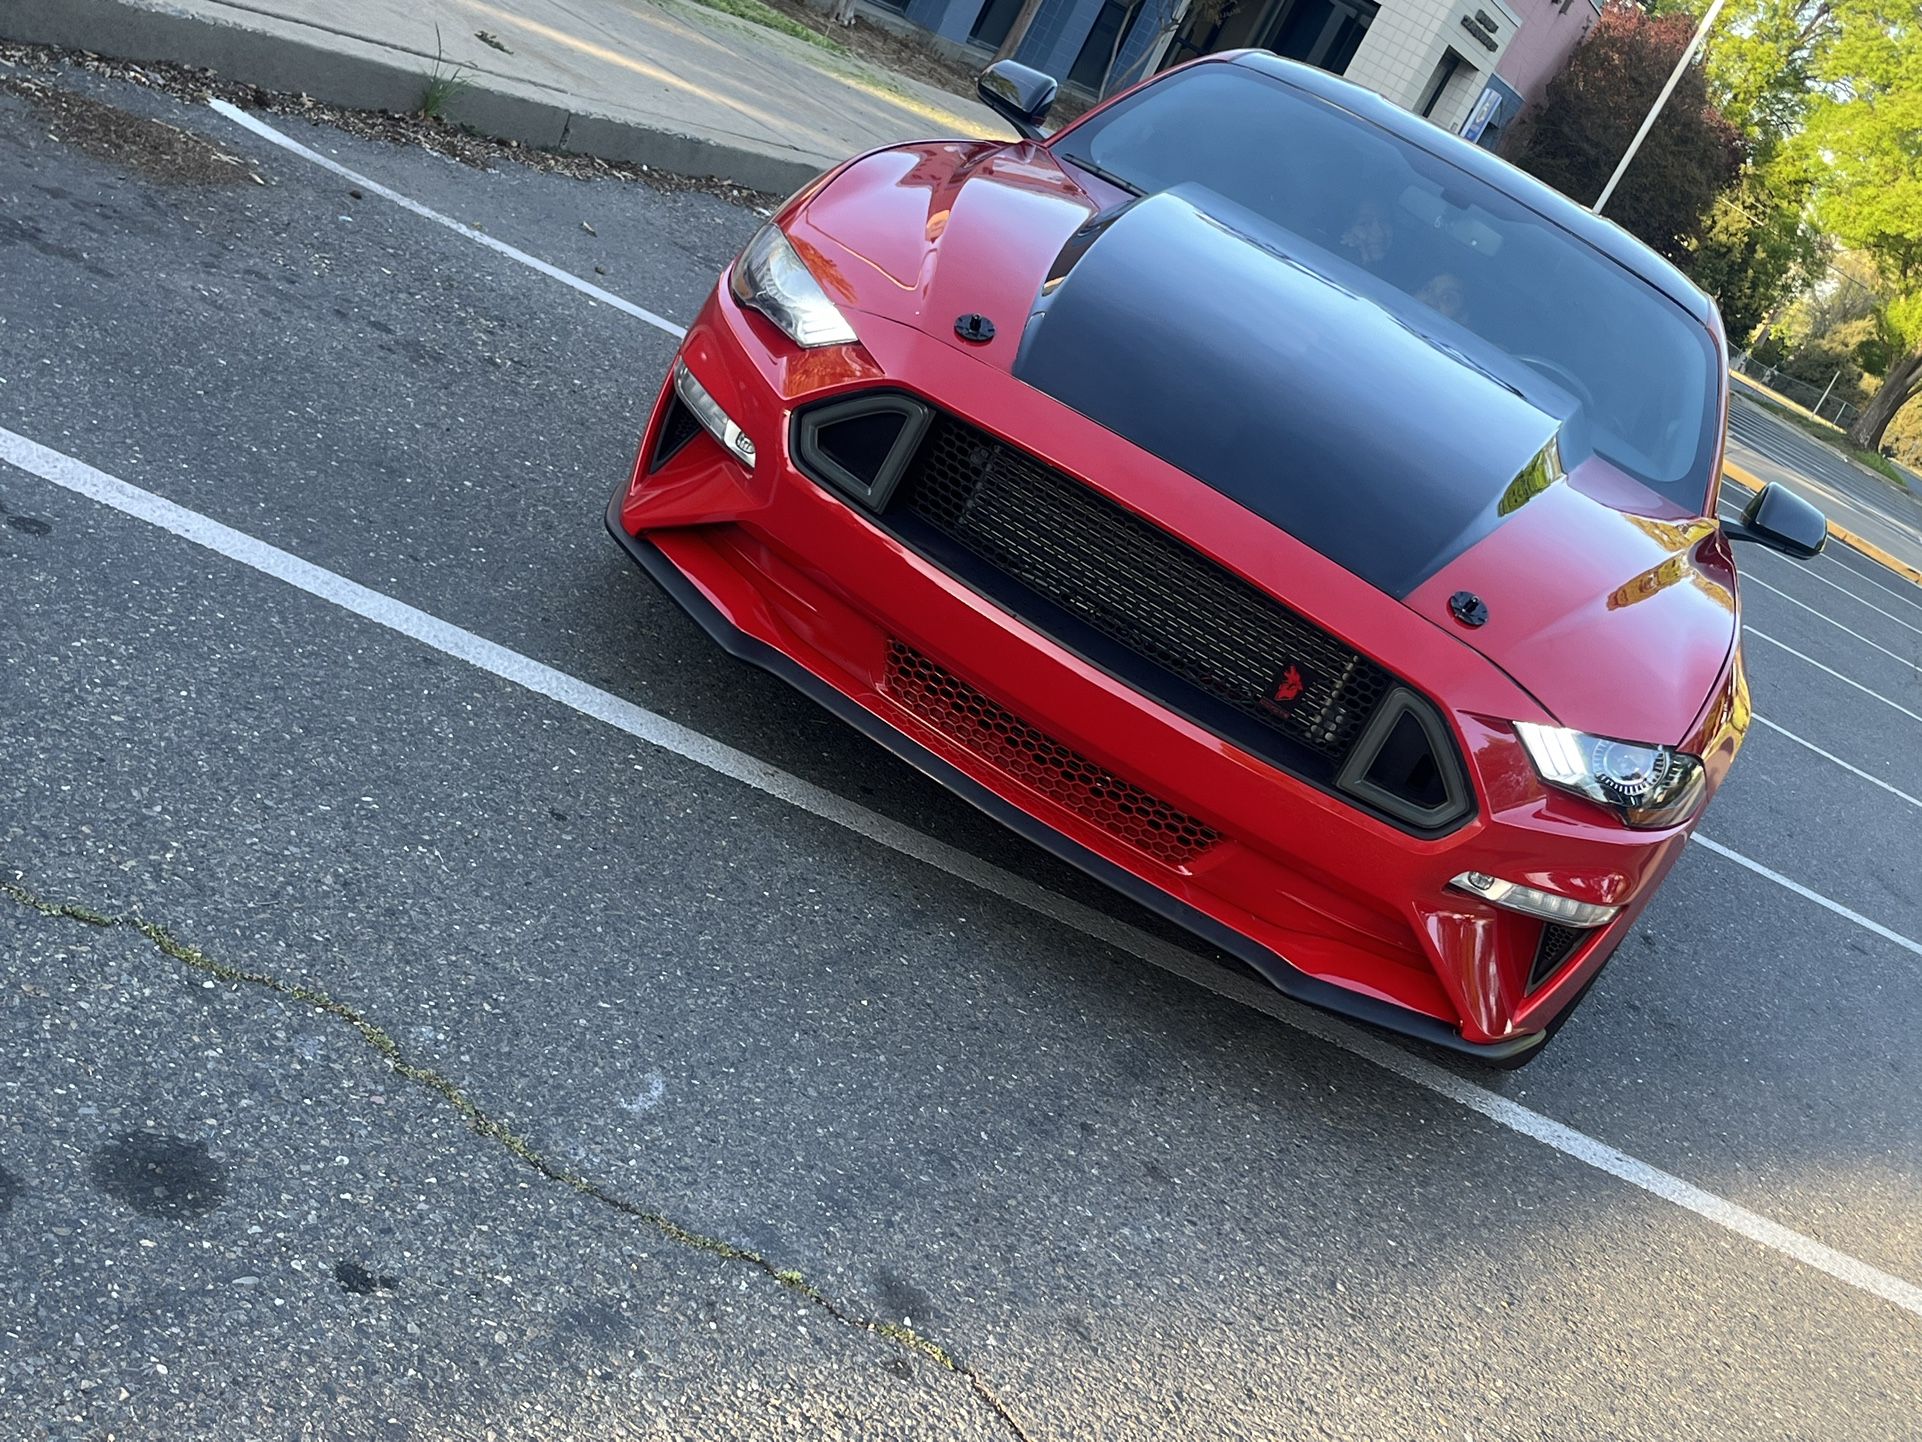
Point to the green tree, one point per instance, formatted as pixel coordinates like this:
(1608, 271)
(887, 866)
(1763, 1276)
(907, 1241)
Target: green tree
(1754, 250)
(1757, 247)
(1864, 143)
(1761, 60)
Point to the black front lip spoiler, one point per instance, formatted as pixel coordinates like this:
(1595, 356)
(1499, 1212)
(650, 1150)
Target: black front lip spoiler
(1298, 985)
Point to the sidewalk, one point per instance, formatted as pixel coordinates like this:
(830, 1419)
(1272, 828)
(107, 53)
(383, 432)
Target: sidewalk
(666, 83)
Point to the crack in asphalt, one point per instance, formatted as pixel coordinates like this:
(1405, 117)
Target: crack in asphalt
(499, 1132)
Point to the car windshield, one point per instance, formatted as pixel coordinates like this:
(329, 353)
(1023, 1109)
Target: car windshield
(1633, 375)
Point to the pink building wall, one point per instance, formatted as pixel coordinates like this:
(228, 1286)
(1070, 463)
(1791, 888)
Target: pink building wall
(1550, 29)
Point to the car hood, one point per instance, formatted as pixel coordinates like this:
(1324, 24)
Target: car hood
(1186, 327)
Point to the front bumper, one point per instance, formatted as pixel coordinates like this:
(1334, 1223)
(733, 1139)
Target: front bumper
(1335, 907)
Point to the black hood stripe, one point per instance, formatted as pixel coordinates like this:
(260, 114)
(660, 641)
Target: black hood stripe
(1310, 405)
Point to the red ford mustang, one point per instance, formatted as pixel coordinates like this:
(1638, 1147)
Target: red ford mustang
(1290, 514)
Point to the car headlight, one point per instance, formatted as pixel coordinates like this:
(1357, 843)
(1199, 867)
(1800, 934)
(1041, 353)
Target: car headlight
(771, 278)
(1648, 786)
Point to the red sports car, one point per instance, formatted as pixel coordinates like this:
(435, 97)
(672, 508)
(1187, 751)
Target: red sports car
(1287, 512)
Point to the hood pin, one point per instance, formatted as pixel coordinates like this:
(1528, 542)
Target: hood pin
(1468, 608)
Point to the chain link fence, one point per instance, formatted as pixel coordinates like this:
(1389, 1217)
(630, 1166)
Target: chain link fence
(1819, 400)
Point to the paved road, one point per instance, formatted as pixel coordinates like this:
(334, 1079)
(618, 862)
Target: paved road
(1866, 504)
(479, 1065)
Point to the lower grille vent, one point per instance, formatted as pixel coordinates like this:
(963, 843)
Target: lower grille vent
(1558, 943)
(1030, 756)
(678, 427)
(1133, 599)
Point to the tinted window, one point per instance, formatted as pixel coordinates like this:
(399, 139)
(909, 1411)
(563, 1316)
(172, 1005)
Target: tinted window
(1634, 375)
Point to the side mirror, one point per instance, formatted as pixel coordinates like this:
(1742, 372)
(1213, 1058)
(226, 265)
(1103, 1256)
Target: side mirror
(1782, 521)
(1019, 95)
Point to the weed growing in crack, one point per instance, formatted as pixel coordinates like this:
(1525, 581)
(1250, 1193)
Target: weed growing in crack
(383, 1043)
(445, 84)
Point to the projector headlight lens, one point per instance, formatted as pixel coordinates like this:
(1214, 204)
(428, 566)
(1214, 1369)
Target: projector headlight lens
(1647, 786)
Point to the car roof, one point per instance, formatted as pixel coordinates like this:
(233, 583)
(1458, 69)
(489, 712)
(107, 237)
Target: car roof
(1604, 235)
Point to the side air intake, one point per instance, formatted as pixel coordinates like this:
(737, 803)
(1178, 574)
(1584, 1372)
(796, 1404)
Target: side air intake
(861, 445)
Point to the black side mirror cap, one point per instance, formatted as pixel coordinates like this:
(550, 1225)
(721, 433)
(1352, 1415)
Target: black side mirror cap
(1018, 94)
(1781, 520)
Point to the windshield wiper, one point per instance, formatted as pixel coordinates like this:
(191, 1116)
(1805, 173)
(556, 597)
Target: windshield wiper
(1107, 175)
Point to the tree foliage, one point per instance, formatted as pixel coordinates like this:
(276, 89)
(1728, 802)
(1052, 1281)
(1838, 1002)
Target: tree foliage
(1753, 250)
(1761, 62)
(1863, 146)
(1590, 113)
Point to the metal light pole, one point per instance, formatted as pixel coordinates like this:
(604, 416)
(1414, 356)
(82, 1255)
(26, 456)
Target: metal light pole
(1648, 121)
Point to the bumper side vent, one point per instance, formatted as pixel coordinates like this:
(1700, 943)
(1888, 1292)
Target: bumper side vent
(1404, 764)
(678, 427)
(861, 445)
(1030, 756)
(1557, 945)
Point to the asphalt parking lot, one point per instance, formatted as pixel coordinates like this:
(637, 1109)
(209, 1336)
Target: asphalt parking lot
(532, 1023)
(1872, 506)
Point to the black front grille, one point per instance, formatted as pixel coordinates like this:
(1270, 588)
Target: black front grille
(1558, 943)
(1141, 588)
(1148, 609)
(1038, 761)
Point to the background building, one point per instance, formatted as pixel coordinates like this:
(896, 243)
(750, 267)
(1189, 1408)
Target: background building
(1434, 57)
(1549, 32)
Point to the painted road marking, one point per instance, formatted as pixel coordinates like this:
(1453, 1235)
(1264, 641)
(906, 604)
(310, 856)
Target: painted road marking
(1858, 599)
(1815, 896)
(656, 730)
(1830, 756)
(1824, 616)
(1748, 630)
(1906, 597)
(479, 237)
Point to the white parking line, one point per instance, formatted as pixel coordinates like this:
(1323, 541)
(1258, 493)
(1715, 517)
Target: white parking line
(1858, 599)
(1802, 891)
(1908, 598)
(479, 237)
(1748, 630)
(1824, 616)
(543, 680)
(1762, 720)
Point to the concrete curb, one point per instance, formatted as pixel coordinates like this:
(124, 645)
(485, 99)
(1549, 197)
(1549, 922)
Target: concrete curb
(1749, 481)
(346, 77)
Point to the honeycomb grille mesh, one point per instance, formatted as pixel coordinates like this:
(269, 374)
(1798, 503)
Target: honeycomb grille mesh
(1030, 756)
(1141, 588)
(1558, 943)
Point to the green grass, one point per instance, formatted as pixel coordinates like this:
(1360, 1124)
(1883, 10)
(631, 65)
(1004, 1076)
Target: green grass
(756, 13)
(444, 86)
